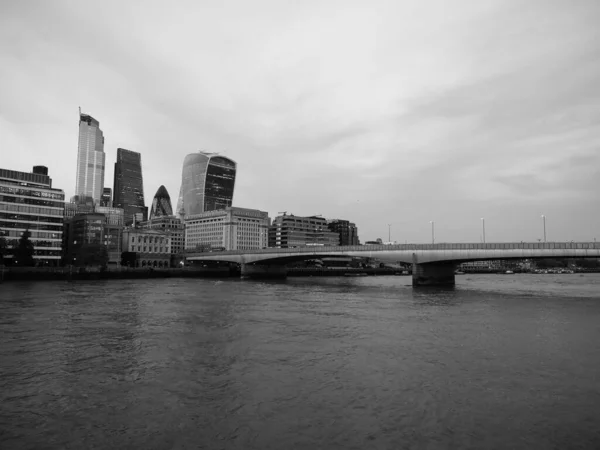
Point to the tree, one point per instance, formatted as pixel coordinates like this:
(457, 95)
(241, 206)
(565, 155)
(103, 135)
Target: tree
(24, 251)
(3, 247)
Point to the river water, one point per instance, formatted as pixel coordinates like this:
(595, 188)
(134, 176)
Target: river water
(500, 361)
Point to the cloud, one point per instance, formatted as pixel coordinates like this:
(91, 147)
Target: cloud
(387, 112)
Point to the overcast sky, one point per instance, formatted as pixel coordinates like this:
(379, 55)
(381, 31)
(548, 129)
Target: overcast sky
(379, 112)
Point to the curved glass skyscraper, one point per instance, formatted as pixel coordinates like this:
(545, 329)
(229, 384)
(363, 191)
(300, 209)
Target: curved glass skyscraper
(207, 183)
(161, 205)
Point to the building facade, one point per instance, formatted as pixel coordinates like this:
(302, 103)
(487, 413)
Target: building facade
(161, 204)
(106, 199)
(346, 229)
(207, 183)
(128, 189)
(28, 202)
(229, 229)
(146, 247)
(289, 231)
(90, 158)
(172, 225)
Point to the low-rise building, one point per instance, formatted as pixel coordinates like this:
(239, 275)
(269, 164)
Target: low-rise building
(171, 224)
(231, 228)
(288, 231)
(346, 229)
(151, 248)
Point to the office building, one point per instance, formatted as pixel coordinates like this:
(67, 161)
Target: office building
(106, 199)
(28, 202)
(161, 204)
(128, 191)
(289, 231)
(146, 248)
(207, 183)
(231, 228)
(346, 229)
(90, 158)
(171, 224)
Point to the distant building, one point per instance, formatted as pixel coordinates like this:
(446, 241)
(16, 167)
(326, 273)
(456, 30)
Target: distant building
(128, 192)
(28, 202)
(84, 235)
(90, 158)
(169, 224)
(207, 183)
(346, 229)
(112, 226)
(161, 204)
(289, 231)
(150, 248)
(106, 199)
(229, 229)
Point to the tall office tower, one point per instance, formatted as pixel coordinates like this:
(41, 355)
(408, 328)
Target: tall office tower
(106, 199)
(90, 158)
(161, 205)
(346, 229)
(128, 192)
(207, 183)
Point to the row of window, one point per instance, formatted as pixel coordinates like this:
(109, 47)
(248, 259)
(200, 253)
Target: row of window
(32, 193)
(31, 201)
(30, 225)
(31, 209)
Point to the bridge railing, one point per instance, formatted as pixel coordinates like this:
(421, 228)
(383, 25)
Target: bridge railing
(441, 246)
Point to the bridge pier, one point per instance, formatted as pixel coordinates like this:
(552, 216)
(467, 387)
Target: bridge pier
(433, 274)
(253, 270)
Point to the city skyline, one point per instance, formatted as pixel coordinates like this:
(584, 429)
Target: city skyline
(392, 116)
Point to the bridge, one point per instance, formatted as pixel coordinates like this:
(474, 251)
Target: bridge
(433, 264)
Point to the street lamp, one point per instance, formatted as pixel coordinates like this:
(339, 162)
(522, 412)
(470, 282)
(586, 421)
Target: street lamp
(432, 231)
(389, 232)
(483, 225)
(544, 220)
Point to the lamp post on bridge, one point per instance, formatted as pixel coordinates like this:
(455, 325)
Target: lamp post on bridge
(389, 232)
(483, 225)
(432, 231)
(544, 220)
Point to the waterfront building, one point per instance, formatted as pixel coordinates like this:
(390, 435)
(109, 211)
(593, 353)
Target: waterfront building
(128, 192)
(207, 183)
(161, 204)
(112, 224)
(346, 229)
(146, 247)
(289, 231)
(170, 224)
(231, 228)
(84, 240)
(29, 202)
(90, 158)
(106, 199)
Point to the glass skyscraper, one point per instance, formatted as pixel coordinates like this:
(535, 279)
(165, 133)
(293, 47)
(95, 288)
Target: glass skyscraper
(90, 158)
(161, 205)
(207, 183)
(128, 192)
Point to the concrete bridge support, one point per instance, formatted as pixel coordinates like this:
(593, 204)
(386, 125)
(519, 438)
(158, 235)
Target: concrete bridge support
(433, 274)
(255, 270)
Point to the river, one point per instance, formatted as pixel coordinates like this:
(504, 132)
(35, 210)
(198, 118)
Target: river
(498, 362)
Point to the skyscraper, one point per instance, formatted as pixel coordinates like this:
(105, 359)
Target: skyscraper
(90, 158)
(161, 204)
(128, 192)
(207, 183)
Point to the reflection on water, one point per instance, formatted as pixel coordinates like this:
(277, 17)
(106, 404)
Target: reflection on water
(364, 362)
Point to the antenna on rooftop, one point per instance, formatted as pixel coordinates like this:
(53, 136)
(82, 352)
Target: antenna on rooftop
(282, 212)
